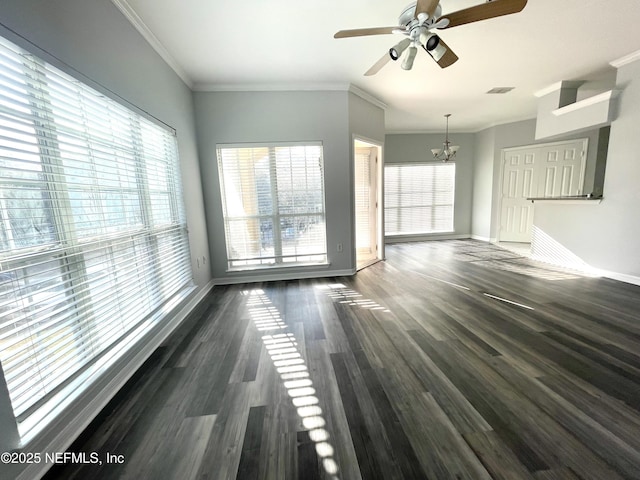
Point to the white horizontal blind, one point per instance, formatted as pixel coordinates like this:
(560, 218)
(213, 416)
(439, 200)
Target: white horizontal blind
(418, 198)
(362, 173)
(273, 203)
(92, 228)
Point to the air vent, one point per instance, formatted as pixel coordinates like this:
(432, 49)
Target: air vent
(500, 90)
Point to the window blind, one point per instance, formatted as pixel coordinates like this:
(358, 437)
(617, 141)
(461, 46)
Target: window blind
(363, 200)
(273, 204)
(419, 198)
(92, 226)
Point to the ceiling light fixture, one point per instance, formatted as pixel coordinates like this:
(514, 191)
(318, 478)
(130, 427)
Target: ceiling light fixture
(407, 61)
(448, 151)
(429, 40)
(396, 50)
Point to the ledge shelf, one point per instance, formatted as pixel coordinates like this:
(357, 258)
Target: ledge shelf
(569, 199)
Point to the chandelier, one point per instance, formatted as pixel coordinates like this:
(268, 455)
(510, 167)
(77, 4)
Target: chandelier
(448, 151)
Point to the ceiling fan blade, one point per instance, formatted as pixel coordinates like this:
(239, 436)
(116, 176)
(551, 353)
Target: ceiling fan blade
(443, 55)
(376, 67)
(491, 9)
(426, 6)
(361, 32)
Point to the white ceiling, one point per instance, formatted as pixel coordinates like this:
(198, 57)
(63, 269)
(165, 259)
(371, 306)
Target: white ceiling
(289, 45)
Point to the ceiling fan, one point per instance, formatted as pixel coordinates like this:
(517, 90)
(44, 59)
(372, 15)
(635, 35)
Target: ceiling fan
(416, 23)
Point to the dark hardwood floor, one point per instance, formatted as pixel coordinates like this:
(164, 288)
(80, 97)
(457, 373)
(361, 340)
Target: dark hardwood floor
(452, 359)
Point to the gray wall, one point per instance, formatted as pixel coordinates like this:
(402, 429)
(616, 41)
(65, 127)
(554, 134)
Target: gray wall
(365, 119)
(402, 148)
(483, 184)
(606, 235)
(250, 117)
(94, 38)
(366, 122)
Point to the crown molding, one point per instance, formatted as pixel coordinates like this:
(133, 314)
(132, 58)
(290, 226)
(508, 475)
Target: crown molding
(499, 123)
(135, 20)
(422, 132)
(557, 86)
(471, 130)
(289, 87)
(270, 87)
(367, 96)
(627, 59)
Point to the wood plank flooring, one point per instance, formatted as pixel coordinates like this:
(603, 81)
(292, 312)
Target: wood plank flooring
(452, 359)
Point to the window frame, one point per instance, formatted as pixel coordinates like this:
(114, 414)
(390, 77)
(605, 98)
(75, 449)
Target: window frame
(238, 264)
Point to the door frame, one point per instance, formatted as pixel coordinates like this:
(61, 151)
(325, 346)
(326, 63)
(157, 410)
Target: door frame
(379, 191)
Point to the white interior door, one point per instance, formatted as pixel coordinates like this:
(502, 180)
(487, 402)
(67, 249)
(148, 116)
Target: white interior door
(546, 170)
(562, 169)
(366, 202)
(516, 217)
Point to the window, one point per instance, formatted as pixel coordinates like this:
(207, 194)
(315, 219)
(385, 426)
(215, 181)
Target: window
(418, 198)
(92, 229)
(273, 204)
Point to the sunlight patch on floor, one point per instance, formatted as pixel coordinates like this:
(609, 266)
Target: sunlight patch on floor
(345, 295)
(290, 365)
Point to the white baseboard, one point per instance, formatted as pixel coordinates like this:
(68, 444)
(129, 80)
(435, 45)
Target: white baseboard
(622, 277)
(72, 423)
(484, 239)
(590, 271)
(425, 238)
(274, 277)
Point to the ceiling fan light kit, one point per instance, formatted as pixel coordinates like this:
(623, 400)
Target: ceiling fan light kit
(419, 18)
(429, 41)
(396, 51)
(407, 62)
(437, 52)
